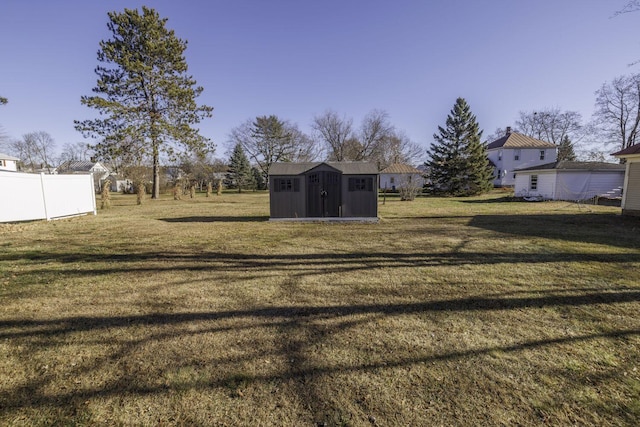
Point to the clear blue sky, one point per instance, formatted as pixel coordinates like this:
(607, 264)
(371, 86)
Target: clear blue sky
(298, 58)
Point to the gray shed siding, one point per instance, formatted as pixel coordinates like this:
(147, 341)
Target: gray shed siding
(286, 204)
(356, 203)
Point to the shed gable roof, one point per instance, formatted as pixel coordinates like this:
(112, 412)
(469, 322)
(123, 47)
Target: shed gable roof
(517, 140)
(347, 168)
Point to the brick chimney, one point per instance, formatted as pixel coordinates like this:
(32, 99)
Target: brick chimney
(508, 130)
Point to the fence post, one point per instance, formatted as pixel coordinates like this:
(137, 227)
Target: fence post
(44, 196)
(93, 192)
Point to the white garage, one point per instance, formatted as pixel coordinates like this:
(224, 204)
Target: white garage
(567, 180)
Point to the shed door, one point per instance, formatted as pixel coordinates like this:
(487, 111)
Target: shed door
(323, 194)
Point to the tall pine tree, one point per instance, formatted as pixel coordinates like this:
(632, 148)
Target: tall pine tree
(459, 164)
(240, 173)
(565, 150)
(146, 99)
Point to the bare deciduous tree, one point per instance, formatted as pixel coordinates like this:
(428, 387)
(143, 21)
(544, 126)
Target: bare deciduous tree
(551, 125)
(409, 187)
(375, 130)
(631, 6)
(398, 148)
(75, 151)
(334, 131)
(35, 150)
(306, 148)
(376, 141)
(617, 115)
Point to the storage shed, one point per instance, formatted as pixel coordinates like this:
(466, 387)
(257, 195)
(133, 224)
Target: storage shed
(317, 190)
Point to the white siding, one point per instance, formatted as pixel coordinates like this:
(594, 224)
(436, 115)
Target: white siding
(521, 186)
(398, 180)
(546, 184)
(494, 156)
(583, 185)
(8, 165)
(632, 190)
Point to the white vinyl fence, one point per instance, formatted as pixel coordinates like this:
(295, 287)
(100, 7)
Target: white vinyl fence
(27, 196)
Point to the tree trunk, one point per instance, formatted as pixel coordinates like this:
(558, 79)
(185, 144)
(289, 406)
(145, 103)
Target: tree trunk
(155, 193)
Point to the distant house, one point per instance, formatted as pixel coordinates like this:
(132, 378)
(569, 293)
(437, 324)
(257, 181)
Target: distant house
(567, 180)
(83, 167)
(8, 163)
(323, 190)
(99, 171)
(118, 183)
(397, 175)
(631, 194)
(516, 151)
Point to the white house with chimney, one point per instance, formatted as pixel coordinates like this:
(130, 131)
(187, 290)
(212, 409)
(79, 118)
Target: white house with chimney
(516, 151)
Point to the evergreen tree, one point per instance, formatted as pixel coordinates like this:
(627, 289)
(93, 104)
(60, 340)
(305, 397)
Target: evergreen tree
(565, 150)
(240, 173)
(145, 97)
(258, 178)
(459, 164)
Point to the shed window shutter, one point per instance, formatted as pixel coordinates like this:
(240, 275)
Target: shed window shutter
(296, 184)
(369, 184)
(352, 184)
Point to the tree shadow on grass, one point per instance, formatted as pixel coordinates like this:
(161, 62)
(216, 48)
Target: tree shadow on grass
(75, 324)
(217, 219)
(606, 229)
(296, 265)
(503, 199)
(301, 329)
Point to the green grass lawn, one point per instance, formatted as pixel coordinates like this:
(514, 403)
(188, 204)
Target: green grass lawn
(449, 311)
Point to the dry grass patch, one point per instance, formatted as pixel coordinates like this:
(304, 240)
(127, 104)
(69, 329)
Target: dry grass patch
(201, 312)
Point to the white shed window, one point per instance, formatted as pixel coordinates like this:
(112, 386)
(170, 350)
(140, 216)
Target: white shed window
(516, 154)
(533, 182)
(392, 180)
(541, 154)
